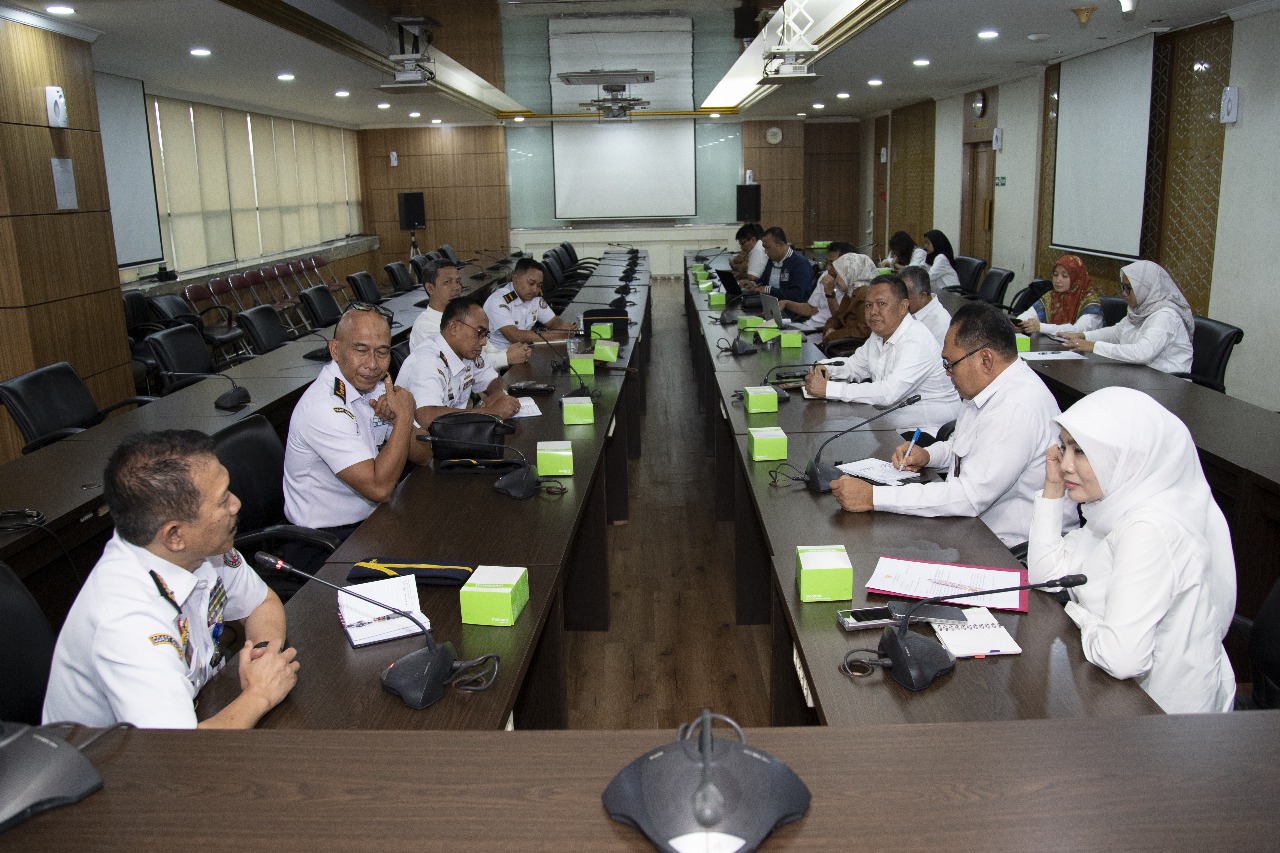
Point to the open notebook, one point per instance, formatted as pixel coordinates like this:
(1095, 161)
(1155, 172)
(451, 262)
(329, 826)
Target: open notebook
(981, 635)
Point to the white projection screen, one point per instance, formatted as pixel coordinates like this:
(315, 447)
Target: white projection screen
(623, 170)
(1104, 104)
(126, 148)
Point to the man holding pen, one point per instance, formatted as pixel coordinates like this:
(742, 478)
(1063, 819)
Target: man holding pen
(995, 457)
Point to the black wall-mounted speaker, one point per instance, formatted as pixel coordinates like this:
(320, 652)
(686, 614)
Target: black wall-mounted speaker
(748, 203)
(413, 211)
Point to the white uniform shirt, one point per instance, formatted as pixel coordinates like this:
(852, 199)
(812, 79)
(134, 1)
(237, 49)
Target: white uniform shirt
(137, 650)
(818, 299)
(995, 459)
(918, 259)
(506, 308)
(1161, 342)
(909, 362)
(428, 324)
(1150, 611)
(942, 275)
(757, 260)
(935, 318)
(1086, 322)
(435, 375)
(332, 428)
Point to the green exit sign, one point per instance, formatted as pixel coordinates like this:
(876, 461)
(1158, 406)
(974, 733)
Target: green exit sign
(999, 181)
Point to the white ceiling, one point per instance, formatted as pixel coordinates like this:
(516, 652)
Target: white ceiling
(150, 40)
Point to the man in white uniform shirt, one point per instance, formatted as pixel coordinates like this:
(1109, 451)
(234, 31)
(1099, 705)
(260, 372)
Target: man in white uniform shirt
(901, 358)
(448, 368)
(923, 304)
(349, 437)
(516, 307)
(443, 283)
(995, 456)
(141, 639)
(750, 239)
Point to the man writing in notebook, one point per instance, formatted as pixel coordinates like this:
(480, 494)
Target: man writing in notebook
(995, 457)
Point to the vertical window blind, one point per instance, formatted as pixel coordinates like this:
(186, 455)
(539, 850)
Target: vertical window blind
(235, 185)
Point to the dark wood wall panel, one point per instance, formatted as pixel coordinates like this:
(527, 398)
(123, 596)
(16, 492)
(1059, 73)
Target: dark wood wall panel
(32, 59)
(26, 174)
(462, 173)
(911, 169)
(779, 169)
(831, 179)
(28, 244)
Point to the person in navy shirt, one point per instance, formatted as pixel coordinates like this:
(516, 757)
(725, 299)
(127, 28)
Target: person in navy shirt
(788, 275)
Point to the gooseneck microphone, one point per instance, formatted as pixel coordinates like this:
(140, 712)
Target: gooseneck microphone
(914, 660)
(708, 802)
(797, 371)
(819, 474)
(419, 678)
(566, 366)
(229, 401)
(518, 483)
(724, 319)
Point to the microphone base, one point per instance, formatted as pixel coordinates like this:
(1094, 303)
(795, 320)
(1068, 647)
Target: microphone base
(580, 391)
(917, 660)
(521, 483)
(819, 476)
(741, 347)
(420, 678)
(233, 400)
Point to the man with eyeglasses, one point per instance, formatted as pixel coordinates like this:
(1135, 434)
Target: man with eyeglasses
(516, 307)
(350, 435)
(749, 263)
(995, 457)
(448, 368)
(900, 358)
(443, 284)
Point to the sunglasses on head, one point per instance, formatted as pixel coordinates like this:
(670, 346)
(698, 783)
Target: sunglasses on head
(366, 306)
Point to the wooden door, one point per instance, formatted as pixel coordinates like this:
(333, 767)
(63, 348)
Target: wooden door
(880, 191)
(977, 201)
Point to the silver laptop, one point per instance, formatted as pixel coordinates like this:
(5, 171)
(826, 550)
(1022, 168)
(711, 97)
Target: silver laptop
(770, 310)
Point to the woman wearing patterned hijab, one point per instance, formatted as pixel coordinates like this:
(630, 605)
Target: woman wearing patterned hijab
(1157, 331)
(844, 287)
(1155, 547)
(1072, 305)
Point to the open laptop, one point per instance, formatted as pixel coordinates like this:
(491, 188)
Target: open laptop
(770, 310)
(749, 301)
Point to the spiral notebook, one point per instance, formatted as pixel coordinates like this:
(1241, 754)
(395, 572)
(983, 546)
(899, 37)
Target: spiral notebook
(980, 636)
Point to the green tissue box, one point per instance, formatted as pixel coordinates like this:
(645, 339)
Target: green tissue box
(582, 365)
(705, 285)
(606, 351)
(746, 322)
(760, 398)
(823, 573)
(821, 244)
(884, 271)
(1024, 342)
(555, 459)
(791, 340)
(715, 299)
(495, 595)
(767, 331)
(601, 331)
(766, 443)
(578, 410)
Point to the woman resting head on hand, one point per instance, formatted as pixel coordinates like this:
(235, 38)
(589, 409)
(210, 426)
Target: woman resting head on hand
(1155, 547)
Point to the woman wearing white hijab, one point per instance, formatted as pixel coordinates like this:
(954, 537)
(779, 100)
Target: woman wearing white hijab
(1155, 547)
(846, 272)
(1157, 331)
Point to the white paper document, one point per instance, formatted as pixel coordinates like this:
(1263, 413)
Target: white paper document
(920, 579)
(367, 623)
(878, 471)
(1052, 355)
(528, 408)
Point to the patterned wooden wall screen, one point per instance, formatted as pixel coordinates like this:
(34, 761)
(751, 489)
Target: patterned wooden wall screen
(779, 169)
(911, 170)
(461, 170)
(1184, 164)
(59, 290)
(831, 181)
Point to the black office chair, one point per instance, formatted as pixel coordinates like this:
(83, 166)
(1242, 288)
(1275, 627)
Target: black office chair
(401, 281)
(183, 357)
(399, 352)
(138, 323)
(1263, 637)
(266, 330)
(254, 459)
(26, 651)
(576, 260)
(365, 288)
(322, 308)
(1029, 295)
(994, 284)
(841, 346)
(224, 338)
(1114, 309)
(969, 271)
(420, 264)
(1211, 347)
(50, 403)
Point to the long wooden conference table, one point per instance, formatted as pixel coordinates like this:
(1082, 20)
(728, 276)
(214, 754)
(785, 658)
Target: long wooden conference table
(1034, 750)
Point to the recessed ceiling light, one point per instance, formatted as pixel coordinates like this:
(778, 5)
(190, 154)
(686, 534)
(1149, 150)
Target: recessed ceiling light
(920, 63)
(875, 81)
(819, 106)
(1038, 36)
(342, 93)
(59, 10)
(842, 95)
(518, 118)
(435, 121)
(384, 106)
(285, 77)
(988, 34)
(802, 115)
(200, 51)
(415, 115)
(715, 115)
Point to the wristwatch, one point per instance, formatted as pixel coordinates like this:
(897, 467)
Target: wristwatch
(831, 294)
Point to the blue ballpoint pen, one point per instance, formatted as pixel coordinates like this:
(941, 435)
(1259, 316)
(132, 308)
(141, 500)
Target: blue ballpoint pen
(910, 447)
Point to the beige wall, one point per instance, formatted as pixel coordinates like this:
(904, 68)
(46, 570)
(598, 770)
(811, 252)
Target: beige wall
(1013, 245)
(948, 162)
(1249, 214)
